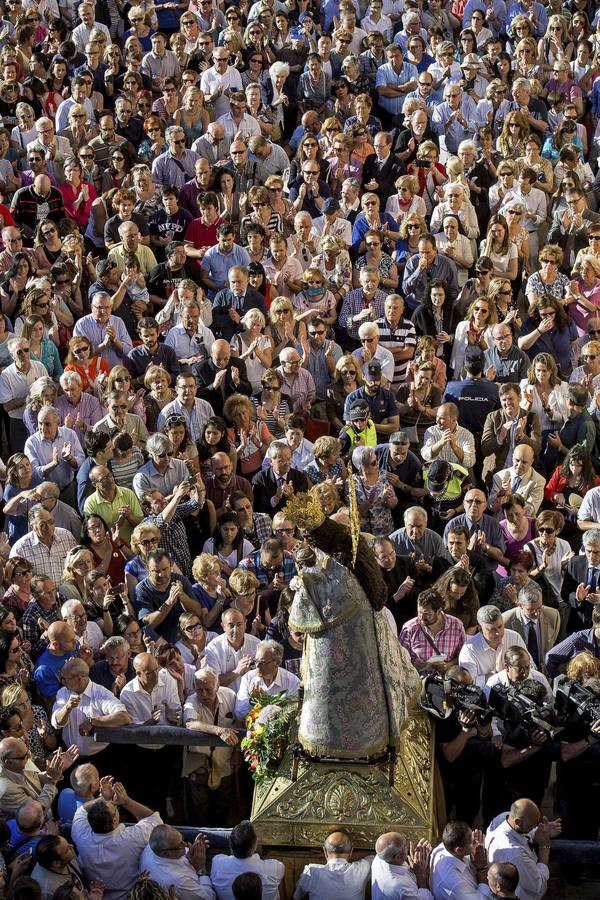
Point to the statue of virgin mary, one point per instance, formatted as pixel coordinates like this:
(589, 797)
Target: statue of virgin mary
(358, 680)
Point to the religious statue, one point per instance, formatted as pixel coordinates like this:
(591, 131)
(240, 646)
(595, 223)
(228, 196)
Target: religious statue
(358, 680)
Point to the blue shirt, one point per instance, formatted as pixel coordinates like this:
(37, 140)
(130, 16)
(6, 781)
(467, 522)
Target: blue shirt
(17, 525)
(47, 671)
(217, 265)
(555, 342)
(542, 18)
(575, 643)
(415, 282)
(386, 74)
(491, 529)
(149, 599)
(382, 405)
(68, 804)
(475, 398)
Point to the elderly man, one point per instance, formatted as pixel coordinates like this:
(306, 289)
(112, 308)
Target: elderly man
(366, 302)
(195, 410)
(453, 120)
(372, 351)
(78, 409)
(210, 711)
(163, 595)
(219, 80)
(115, 669)
(40, 612)
(400, 870)
(191, 339)
(177, 164)
(36, 202)
(108, 850)
(170, 864)
(13, 243)
(268, 677)
(448, 440)
(55, 452)
(107, 333)
(255, 525)
(433, 638)
(298, 383)
(424, 267)
(482, 653)
(15, 381)
(152, 698)
(232, 303)
(338, 877)
(87, 633)
(55, 148)
(275, 485)
(221, 376)
(508, 427)
(581, 587)
(485, 534)
(108, 140)
(244, 858)
(161, 472)
(61, 647)
(21, 780)
(510, 838)
(82, 705)
(246, 173)
(232, 653)
(538, 625)
(520, 478)
(85, 785)
(117, 505)
(417, 541)
(131, 244)
(45, 546)
(222, 482)
(397, 334)
(118, 419)
(504, 361)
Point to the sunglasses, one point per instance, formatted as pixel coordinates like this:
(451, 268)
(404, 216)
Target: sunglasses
(543, 530)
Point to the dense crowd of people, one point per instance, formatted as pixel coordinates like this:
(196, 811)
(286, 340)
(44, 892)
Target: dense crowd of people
(261, 248)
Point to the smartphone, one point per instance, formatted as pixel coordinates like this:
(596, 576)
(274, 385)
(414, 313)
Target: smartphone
(191, 480)
(422, 164)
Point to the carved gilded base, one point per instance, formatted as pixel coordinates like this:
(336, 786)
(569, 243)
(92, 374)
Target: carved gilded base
(358, 797)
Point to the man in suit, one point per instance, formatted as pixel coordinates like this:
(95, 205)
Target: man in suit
(274, 486)
(21, 780)
(221, 376)
(382, 168)
(232, 303)
(581, 587)
(569, 228)
(520, 478)
(537, 624)
(508, 427)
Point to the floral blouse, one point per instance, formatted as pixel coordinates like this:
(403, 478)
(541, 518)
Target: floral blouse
(378, 520)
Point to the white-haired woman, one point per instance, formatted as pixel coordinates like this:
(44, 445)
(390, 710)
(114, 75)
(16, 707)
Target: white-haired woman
(375, 495)
(78, 410)
(278, 99)
(254, 347)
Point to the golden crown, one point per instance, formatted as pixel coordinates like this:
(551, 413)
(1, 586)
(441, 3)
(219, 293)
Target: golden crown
(304, 511)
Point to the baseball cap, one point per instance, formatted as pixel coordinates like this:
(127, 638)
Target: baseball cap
(330, 206)
(359, 410)
(296, 34)
(438, 476)
(374, 368)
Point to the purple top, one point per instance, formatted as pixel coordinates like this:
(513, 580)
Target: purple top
(88, 408)
(514, 546)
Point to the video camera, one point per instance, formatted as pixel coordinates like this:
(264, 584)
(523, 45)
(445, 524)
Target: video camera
(524, 709)
(575, 702)
(441, 695)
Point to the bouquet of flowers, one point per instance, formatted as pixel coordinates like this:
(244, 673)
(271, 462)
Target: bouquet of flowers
(268, 726)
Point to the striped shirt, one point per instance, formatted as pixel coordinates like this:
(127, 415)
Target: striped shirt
(398, 338)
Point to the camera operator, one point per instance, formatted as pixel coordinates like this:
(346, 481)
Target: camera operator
(527, 751)
(469, 763)
(577, 773)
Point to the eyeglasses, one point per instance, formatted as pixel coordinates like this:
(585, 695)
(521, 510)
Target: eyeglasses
(543, 530)
(84, 156)
(550, 262)
(118, 158)
(197, 627)
(591, 356)
(178, 140)
(322, 331)
(367, 340)
(149, 541)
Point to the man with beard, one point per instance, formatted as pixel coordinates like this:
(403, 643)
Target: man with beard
(167, 275)
(150, 353)
(403, 470)
(109, 281)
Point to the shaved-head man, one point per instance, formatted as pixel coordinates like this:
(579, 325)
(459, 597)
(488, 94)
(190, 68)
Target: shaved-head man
(396, 871)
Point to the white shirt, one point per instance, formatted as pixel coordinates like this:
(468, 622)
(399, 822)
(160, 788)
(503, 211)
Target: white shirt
(94, 701)
(501, 678)
(480, 659)
(178, 872)
(247, 127)
(337, 878)
(92, 637)
(341, 228)
(211, 81)
(283, 681)
(504, 844)
(454, 879)
(112, 858)
(140, 704)
(390, 882)
(225, 869)
(384, 356)
(221, 656)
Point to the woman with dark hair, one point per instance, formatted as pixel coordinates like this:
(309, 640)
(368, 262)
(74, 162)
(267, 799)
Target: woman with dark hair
(12, 667)
(214, 440)
(229, 200)
(502, 68)
(110, 555)
(20, 478)
(551, 554)
(548, 329)
(436, 317)
(128, 627)
(46, 239)
(13, 283)
(574, 476)
(18, 573)
(184, 448)
(308, 149)
(579, 426)
(498, 247)
(228, 543)
(505, 593)
(460, 596)
(258, 280)
(271, 405)
(517, 527)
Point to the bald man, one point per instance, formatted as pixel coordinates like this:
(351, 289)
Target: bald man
(520, 478)
(399, 871)
(82, 705)
(338, 877)
(221, 376)
(37, 201)
(508, 840)
(61, 647)
(503, 880)
(21, 780)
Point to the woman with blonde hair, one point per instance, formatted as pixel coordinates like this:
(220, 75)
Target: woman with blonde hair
(406, 201)
(474, 331)
(43, 392)
(502, 293)
(315, 299)
(119, 379)
(330, 129)
(556, 45)
(328, 496)
(347, 377)
(253, 346)
(78, 563)
(271, 405)
(140, 28)
(412, 227)
(258, 199)
(210, 588)
(244, 586)
(548, 282)
(584, 291)
(526, 56)
(92, 370)
(430, 176)
(513, 137)
(327, 464)
(250, 437)
(583, 667)
(280, 204)
(335, 264)
(283, 329)
(193, 640)
(144, 538)
(41, 737)
(342, 164)
(41, 348)
(80, 131)
(426, 353)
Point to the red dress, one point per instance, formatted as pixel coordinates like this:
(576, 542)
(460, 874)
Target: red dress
(116, 569)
